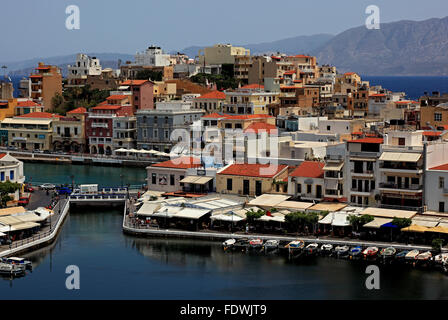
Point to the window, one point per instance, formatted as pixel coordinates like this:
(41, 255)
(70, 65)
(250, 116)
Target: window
(172, 179)
(437, 117)
(153, 178)
(2, 176)
(229, 184)
(354, 183)
(401, 141)
(11, 175)
(155, 133)
(308, 188)
(441, 182)
(76, 131)
(299, 188)
(415, 181)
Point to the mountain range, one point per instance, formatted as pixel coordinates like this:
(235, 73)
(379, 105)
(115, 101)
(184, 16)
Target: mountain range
(411, 48)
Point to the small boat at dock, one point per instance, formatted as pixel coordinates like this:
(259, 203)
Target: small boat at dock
(256, 243)
(424, 258)
(355, 252)
(387, 254)
(9, 269)
(19, 261)
(370, 252)
(228, 244)
(342, 251)
(311, 248)
(440, 258)
(326, 249)
(410, 256)
(401, 256)
(271, 245)
(296, 244)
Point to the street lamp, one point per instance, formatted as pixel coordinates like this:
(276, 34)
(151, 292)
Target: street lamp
(121, 179)
(73, 183)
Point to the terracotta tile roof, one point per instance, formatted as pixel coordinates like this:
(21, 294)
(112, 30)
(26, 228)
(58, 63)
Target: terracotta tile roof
(214, 116)
(236, 117)
(441, 167)
(36, 76)
(377, 95)
(432, 133)
(40, 115)
(253, 86)
(78, 110)
(299, 56)
(133, 82)
(368, 140)
(180, 163)
(252, 170)
(2, 155)
(258, 127)
(289, 72)
(349, 73)
(309, 169)
(27, 103)
(213, 95)
(116, 97)
(106, 107)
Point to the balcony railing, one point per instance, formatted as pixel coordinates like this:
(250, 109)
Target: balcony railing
(388, 185)
(399, 166)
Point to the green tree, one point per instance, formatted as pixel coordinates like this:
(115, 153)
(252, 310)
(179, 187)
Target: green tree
(437, 244)
(401, 222)
(6, 188)
(358, 221)
(252, 215)
(57, 102)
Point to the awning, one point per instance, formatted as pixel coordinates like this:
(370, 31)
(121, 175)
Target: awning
(9, 220)
(377, 223)
(2, 234)
(328, 219)
(191, 213)
(11, 210)
(425, 222)
(340, 220)
(203, 180)
(189, 179)
(331, 184)
(362, 159)
(123, 87)
(415, 228)
(327, 206)
(147, 209)
(333, 167)
(230, 216)
(439, 229)
(275, 218)
(25, 225)
(403, 157)
(30, 217)
(389, 213)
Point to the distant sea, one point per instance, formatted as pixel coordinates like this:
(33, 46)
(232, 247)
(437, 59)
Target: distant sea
(414, 87)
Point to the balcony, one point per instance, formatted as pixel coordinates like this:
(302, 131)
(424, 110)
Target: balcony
(393, 187)
(99, 125)
(362, 174)
(399, 167)
(361, 191)
(334, 175)
(333, 194)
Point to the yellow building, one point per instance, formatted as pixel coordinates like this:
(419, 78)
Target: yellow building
(164, 91)
(251, 179)
(250, 99)
(7, 108)
(221, 54)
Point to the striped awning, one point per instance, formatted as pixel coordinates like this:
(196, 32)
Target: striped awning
(402, 157)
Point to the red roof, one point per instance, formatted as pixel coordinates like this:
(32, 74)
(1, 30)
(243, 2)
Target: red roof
(349, 73)
(253, 86)
(180, 163)
(377, 95)
(258, 127)
(441, 167)
(299, 56)
(213, 95)
(432, 133)
(36, 76)
(252, 170)
(78, 110)
(27, 103)
(368, 140)
(309, 169)
(106, 107)
(237, 117)
(134, 82)
(289, 72)
(40, 115)
(117, 97)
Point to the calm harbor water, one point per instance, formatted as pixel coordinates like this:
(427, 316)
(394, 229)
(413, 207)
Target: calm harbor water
(115, 266)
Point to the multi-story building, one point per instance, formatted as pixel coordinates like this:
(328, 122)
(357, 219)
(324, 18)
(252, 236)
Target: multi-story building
(32, 131)
(210, 102)
(358, 103)
(25, 106)
(241, 68)
(402, 169)
(11, 169)
(155, 127)
(6, 90)
(124, 132)
(221, 54)
(434, 116)
(84, 66)
(164, 91)
(153, 56)
(142, 93)
(249, 99)
(45, 84)
(433, 100)
(296, 101)
(100, 126)
(7, 108)
(362, 171)
(69, 132)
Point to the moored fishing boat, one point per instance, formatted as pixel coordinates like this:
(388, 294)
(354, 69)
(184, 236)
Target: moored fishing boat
(296, 244)
(440, 259)
(241, 244)
(271, 245)
(19, 261)
(256, 243)
(228, 244)
(410, 257)
(355, 252)
(9, 269)
(342, 251)
(370, 253)
(401, 256)
(424, 258)
(311, 248)
(326, 249)
(387, 254)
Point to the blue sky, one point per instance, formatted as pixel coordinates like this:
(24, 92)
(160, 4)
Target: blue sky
(36, 28)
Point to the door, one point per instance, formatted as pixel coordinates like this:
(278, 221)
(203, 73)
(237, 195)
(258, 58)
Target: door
(398, 182)
(245, 186)
(441, 206)
(258, 188)
(318, 191)
(406, 183)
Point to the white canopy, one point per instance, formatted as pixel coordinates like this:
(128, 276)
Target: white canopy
(328, 219)
(340, 220)
(121, 150)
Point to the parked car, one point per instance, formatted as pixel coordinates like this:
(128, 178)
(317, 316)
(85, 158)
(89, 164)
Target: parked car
(23, 201)
(29, 188)
(13, 148)
(38, 151)
(47, 186)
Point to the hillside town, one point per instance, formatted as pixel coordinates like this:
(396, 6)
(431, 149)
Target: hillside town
(216, 123)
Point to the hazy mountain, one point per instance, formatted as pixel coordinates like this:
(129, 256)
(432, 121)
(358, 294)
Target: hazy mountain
(108, 60)
(397, 48)
(294, 45)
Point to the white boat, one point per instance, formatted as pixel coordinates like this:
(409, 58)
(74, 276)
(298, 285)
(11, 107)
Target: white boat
(326, 248)
(440, 258)
(19, 261)
(271, 244)
(311, 248)
(342, 250)
(412, 254)
(297, 244)
(424, 256)
(228, 243)
(10, 269)
(370, 252)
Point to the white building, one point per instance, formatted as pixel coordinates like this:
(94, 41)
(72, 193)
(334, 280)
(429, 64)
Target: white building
(84, 66)
(153, 56)
(11, 169)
